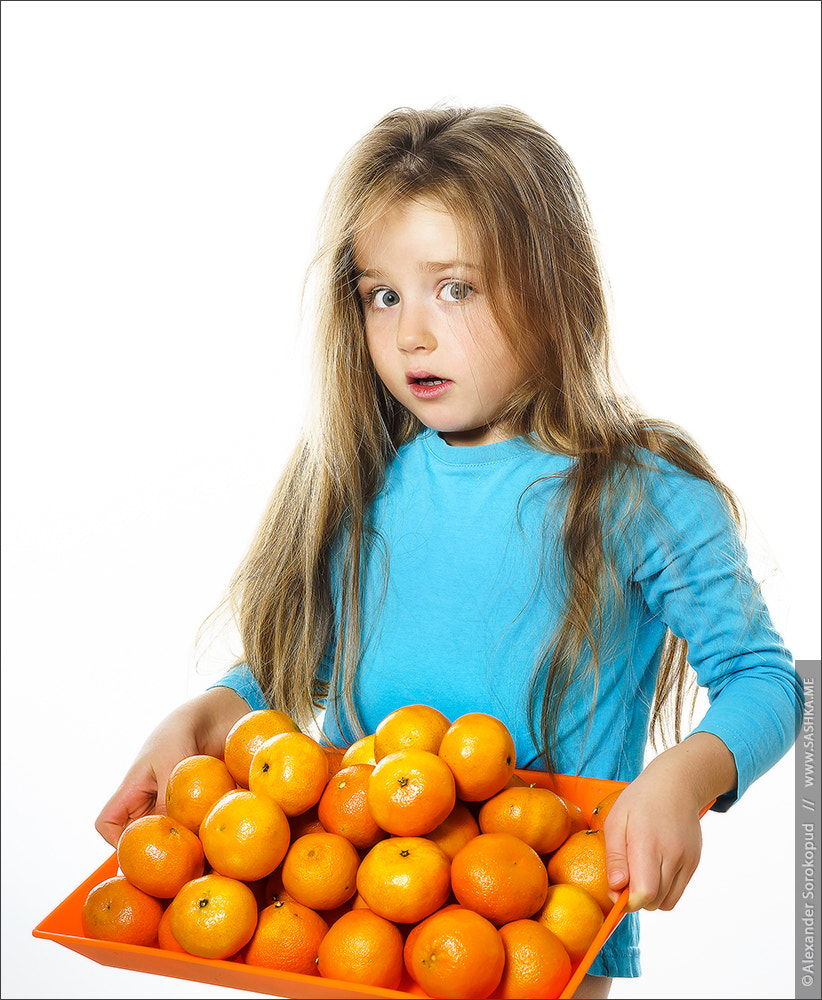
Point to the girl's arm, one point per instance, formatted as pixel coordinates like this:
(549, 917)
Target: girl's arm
(693, 574)
(198, 726)
(652, 833)
(692, 570)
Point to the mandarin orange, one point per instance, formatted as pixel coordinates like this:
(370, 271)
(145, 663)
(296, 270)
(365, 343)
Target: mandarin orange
(578, 818)
(165, 939)
(535, 815)
(159, 855)
(248, 734)
(411, 792)
(334, 760)
(415, 930)
(361, 751)
(194, 785)
(573, 914)
(343, 807)
(412, 727)
(362, 947)
(500, 877)
(245, 835)
(480, 751)
(320, 870)
(536, 964)
(213, 916)
(581, 861)
(292, 769)
(332, 916)
(601, 810)
(457, 953)
(307, 822)
(273, 889)
(287, 937)
(404, 879)
(455, 830)
(116, 910)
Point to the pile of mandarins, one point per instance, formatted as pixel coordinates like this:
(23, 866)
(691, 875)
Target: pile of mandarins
(417, 859)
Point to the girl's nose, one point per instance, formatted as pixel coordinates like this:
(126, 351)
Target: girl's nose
(414, 332)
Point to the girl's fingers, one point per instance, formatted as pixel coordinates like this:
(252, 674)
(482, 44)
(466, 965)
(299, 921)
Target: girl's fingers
(660, 883)
(677, 887)
(127, 804)
(109, 829)
(616, 853)
(654, 854)
(646, 879)
(631, 858)
(656, 873)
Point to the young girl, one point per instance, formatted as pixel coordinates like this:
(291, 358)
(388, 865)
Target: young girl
(476, 519)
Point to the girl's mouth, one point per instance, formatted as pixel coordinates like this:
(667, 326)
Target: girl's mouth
(424, 385)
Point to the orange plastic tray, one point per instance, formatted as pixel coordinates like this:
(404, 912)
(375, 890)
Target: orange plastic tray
(64, 925)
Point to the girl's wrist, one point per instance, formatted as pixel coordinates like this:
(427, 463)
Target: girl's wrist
(701, 766)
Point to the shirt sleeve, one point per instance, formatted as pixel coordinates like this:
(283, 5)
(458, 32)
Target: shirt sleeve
(240, 679)
(693, 572)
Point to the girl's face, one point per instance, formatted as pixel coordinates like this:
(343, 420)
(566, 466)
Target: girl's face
(429, 327)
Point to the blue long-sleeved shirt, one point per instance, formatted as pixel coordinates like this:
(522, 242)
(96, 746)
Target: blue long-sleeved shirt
(462, 591)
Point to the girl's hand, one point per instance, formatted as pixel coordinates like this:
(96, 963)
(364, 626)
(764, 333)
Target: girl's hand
(653, 839)
(199, 726)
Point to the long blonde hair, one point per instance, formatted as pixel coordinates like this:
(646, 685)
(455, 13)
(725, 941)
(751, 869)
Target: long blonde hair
(518, 201)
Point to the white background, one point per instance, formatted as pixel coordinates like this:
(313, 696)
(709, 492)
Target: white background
(163, 165)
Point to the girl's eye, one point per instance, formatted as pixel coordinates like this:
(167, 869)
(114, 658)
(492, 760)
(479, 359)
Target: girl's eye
(383, 298)
(456, 291)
